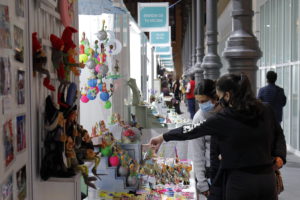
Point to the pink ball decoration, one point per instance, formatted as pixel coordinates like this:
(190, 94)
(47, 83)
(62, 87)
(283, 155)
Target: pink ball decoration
(97, 68)
(84, 99)
(114, 161)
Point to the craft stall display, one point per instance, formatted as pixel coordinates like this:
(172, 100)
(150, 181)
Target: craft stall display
(102, 73)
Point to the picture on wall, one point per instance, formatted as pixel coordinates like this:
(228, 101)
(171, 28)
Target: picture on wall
(21, 87)
(21, 133)
(5, 41)
(5, 76)
(8, 142)
(18, 44)
(6, 189)
(20, 8)
(21, 184)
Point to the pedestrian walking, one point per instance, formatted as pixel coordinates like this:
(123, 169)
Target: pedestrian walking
(273, 95)
(190, 96)
(249, 137)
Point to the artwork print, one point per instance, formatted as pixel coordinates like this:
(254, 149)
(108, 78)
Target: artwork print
(21, 184)
(8, 142)
(18, 44)
(6, 189)
(20, 8)
(20, 87)
(21, 133)
(5, 76)
(5, 41)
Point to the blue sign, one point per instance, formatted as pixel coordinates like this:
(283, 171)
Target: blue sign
(165, 56)
(153, 16)
(160, 38)
(163, 50)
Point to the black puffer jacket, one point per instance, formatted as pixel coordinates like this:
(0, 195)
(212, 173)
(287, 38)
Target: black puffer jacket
(245, 141)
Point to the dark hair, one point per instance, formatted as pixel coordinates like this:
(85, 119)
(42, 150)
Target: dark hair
(242, 98)
(206, 87)
(271, 76)
(192, 77)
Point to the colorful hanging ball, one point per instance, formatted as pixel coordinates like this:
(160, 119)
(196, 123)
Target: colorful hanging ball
(114, 161)
(92, 82)
(96, 89)
(106, 151)
(104, 96)
(91, 94)
(107, 105)
(100, 85)
(97, 68)
(84, 99)
(83, 58)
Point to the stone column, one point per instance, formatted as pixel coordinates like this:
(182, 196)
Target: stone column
(242, 50)
(211, 62)
(193, 25)
(190, 46)
(200, 40)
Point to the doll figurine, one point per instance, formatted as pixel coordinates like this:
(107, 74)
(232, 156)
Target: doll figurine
(40, 60)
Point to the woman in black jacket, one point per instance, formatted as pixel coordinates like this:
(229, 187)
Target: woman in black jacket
(249, 138)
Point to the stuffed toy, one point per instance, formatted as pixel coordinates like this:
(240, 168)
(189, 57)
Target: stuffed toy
(57, 57)
(54, 162)
(40, 60)
(70, 52)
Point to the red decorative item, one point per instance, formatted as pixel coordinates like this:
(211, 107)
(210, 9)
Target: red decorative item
(36, 46)
(128, 133)
(114, 161)
(67, 38)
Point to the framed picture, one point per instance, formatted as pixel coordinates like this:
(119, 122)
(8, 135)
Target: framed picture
(6, 189)
(21, 133)
(8, 142)
(18, 44)
(20, 8)
(5, 41)
(21, 184)
(20, 87)
(5, 76)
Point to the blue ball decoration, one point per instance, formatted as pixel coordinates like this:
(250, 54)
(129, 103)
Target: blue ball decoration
(104, 96)
(100, 86)
(91, 95)
(92, 82)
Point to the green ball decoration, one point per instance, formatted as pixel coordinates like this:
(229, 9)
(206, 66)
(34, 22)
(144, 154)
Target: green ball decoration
(107, 105)
(83, 58)
(87, 51)
(106, 151)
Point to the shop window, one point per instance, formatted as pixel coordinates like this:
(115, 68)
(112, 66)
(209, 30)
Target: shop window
(295, 107)
(286, 110)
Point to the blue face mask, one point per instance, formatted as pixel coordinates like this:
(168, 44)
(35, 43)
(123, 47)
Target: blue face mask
(207, 106)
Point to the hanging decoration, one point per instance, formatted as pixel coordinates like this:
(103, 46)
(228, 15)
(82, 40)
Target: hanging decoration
(66, 10)
(102, 72)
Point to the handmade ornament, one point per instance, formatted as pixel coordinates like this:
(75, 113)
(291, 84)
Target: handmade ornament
(107, 105)
(114, 161)
(92, 82)
(104, 96)
(102, 34)
(113, 47)
(91, 63)
(104, 69)
(106, 151)
(40, 60)
(91, 94)
(84, 98)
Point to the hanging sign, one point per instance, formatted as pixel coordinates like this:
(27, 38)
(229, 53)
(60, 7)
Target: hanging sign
(160, 38)
(163, 50)
(153, 16)
(165, 56)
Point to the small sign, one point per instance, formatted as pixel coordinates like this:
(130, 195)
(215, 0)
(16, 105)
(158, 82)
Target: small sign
(163, 50)
(160, 38)
(153, 16)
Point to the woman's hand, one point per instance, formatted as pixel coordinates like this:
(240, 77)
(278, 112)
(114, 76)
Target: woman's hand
(278, 162)
(155, 142)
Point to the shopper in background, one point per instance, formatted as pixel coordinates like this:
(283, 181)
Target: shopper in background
(249, 137)
(177, 95)
(273, 95)
(205, 94)
(190, 96)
